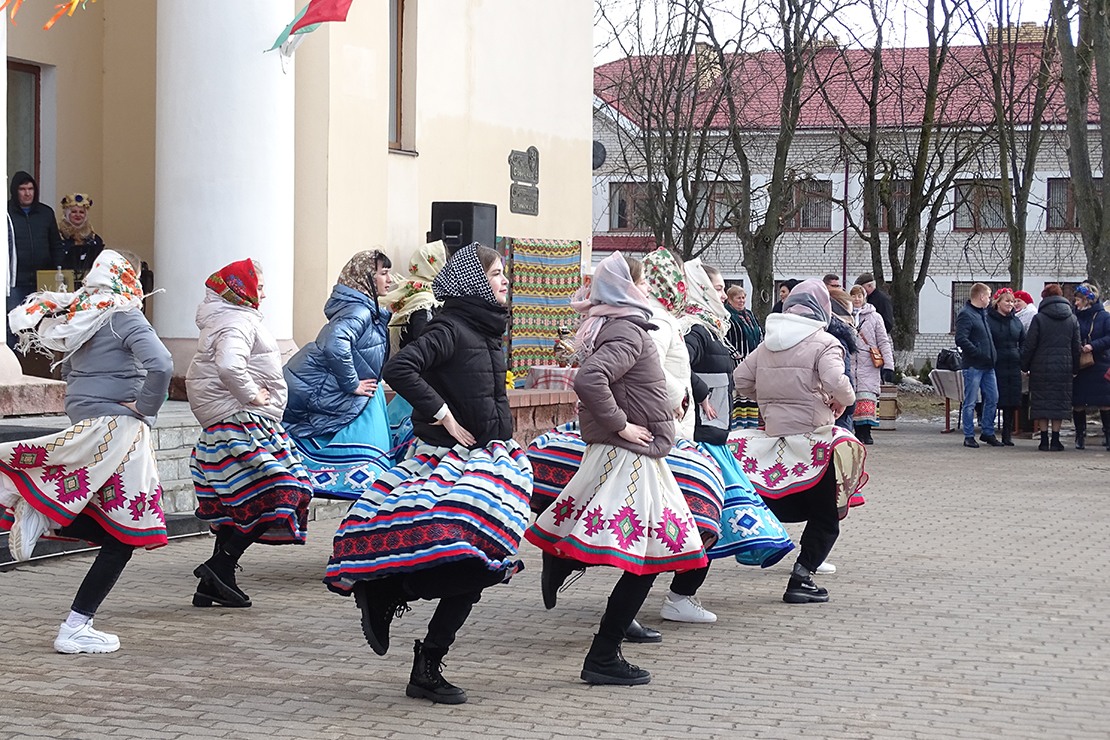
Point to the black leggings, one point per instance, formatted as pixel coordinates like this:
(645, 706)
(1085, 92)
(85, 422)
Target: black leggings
(688, 582)
(817, 508)
(625, 600)
(106, 568)
(458, 586)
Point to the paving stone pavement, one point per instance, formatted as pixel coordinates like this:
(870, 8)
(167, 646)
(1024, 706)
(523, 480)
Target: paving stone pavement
(971, 601)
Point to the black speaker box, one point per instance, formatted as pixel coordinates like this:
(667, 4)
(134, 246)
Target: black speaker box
(459, 224)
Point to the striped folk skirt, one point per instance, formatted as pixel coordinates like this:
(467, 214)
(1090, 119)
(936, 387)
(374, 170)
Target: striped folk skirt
(441, 505)
(103, 467)
(247, 475)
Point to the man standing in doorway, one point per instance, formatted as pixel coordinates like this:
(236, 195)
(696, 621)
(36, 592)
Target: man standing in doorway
(37, 242)
(877, 298)
(973, 337)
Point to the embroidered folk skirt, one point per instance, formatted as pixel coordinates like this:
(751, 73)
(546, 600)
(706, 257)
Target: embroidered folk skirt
(750, 532)
(103, 467)
(557, 455)
(621, 509)
(441, 505)
(247, 474)
(780, 466)
(344, 465)
(866, 411)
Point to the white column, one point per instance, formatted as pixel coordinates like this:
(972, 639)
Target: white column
(224, 158)
(9, 365)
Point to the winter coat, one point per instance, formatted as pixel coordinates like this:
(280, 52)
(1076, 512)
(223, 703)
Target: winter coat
(80, 257)
(622, 382)
(123, 361)
(885, 308)
(457, 361)
(38, 245)
(676, 368)
(324, 374)
(794, 375)
(973, 337)
(1091, 387)
(1050, 356)
(1008, 335)
(712, 363)
(236, 357)
(872, 333)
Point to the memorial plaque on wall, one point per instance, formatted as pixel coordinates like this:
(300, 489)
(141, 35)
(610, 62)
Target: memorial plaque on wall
(524, 199)
(524, 171)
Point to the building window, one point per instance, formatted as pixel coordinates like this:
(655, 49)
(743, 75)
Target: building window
(716, 205)
(899, 206)
(1062, 213)
(24, 103)
(979, 206)
(961, 291)
(630, 205)
(396, 70)
(810, 206)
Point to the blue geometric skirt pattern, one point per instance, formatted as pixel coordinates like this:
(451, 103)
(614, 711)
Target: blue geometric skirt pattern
(346, 464)
(557, 455)
(750, 531)
(441, 505)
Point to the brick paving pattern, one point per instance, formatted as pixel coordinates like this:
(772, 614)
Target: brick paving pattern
(971, 601)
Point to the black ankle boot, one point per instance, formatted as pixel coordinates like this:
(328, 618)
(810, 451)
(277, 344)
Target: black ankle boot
(605, 665)
(863, 434)
(426, 680)
(1043, 446)
(217, 576)
(1105, 416)
(1008, 428)
(208, 594)
(380, 601)
(802, 590)
(636, 632)
(555, 572)
(1056, 445)
(1079, 418)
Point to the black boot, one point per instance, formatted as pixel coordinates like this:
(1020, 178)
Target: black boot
(802, 590)
(1079, 418)
(636, 632)
(1105, 416)
(380, 601)
(217, 582)
(863, 434)
(1007, 428)
(1043, 446)
(605, 665)
(1056, 445)
(555, 572)
(426, 680)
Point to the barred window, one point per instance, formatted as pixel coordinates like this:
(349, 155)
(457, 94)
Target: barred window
(631, 204)
(810, 206)
(979, 206)
(1062, 213)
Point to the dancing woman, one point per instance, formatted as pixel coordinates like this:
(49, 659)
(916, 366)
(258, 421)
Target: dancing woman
(250, 485)
(98, 479)
(445, 523)
(336, 413)
(623, 507)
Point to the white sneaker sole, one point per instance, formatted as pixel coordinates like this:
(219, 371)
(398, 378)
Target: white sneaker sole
(26, 518)
(68, 647)
(671, 615)
(825, 570)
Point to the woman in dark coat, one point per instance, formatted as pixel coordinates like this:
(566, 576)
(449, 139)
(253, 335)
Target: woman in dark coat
(1091, 388)
(1008, 335)
(1050, 354)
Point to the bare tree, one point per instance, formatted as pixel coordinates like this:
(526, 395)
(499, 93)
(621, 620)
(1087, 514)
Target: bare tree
(1087, 52)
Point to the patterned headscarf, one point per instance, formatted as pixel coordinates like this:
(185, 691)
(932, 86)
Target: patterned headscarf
(236, 283)
(464, 276)
(809, 298)
(414, 292)
(665, 280)
(612, 294)
(1087, 291)
(358, 273)
(51, 321)
(702, 301)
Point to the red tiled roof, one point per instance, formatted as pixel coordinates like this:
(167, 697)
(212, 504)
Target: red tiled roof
(964, 99)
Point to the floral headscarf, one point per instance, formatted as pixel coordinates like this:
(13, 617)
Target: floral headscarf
(702, 301)
(612, 294)
(50, 321)
(464, 276)
(665, 280)
(358, 273)
(414, 292)
(236, 283)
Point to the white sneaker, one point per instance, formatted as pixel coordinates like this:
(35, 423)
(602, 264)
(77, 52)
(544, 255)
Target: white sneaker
(685, 609)
(29, 525)
(825, 569)
(84, 639)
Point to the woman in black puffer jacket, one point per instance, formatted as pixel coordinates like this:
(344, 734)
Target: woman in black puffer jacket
(1008, 335)
(1050, 354)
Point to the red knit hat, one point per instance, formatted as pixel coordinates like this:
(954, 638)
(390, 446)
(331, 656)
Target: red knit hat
(1024, 296)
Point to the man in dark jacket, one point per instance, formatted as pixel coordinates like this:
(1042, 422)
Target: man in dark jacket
(38, 246)
(973, 337)
(877, 298)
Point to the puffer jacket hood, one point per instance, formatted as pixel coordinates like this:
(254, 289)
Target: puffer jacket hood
(18, 179)
(1055, 307)
(785, 330)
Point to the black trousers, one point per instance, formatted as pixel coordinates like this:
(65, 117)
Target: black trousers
(688, 582)
(106, 568)
(625, 600)
(817, 508)
(458, 586)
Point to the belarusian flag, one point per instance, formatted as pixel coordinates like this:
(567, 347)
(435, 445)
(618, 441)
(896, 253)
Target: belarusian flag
(311, 16)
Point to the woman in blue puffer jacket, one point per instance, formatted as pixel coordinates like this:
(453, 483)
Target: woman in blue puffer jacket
(336, 412)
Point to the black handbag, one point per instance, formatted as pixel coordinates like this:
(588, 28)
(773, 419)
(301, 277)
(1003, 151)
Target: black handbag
(949, 359)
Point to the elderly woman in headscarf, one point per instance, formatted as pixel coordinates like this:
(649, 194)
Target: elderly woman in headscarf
(251, 486)
(624, 489)
(337, 411)
(446, 523)
(98, 479)
(806, 468)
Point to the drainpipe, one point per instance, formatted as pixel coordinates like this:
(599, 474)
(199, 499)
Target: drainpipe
(844, 260)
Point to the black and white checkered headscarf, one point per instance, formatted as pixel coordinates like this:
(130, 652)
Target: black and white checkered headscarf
(463, 276)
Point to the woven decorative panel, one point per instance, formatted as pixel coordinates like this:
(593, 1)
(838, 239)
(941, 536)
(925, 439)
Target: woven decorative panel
(545, 274)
